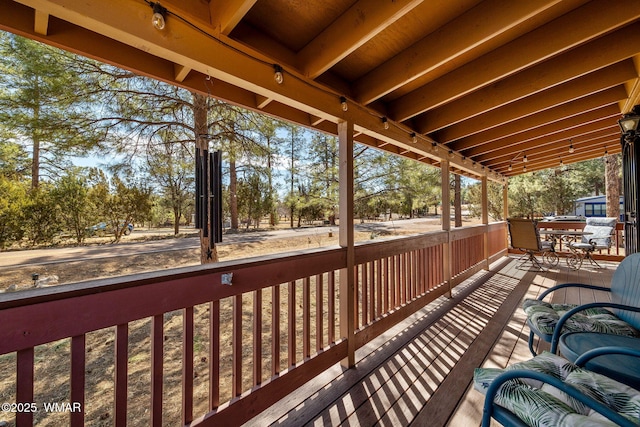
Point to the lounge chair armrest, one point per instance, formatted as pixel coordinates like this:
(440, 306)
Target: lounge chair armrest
(603, 351)
(558, 328)
(572, 285)
(553, 381)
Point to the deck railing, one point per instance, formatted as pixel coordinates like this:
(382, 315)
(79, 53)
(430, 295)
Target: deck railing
(215, 345)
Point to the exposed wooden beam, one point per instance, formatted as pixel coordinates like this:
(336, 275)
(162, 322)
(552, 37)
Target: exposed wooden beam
(597, 54)
(361, 22)
(180, 72)
(533, 166)
(566, 92)
(228, 13)
(557, 36)
(262, 101)
(576, 136)
(470, 30)
(607, 97)
(559, 149)
(41, 24)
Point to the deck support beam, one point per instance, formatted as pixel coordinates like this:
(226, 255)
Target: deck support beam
(485, 219)
(446, 224)
(346, 240)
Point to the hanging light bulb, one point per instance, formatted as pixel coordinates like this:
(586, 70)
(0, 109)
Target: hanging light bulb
(524, 159)
(561, 163)
(524, 168)
(510, 167)
(571, 149)
(343, 102)
(385, 123)
(278, 76)
(434, 147)
(157, 19)
(451, 154)
(414, 138)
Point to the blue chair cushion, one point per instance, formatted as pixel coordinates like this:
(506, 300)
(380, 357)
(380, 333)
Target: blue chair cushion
(544, 317)
(538, 404)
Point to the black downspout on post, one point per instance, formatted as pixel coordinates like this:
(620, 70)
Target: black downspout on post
(630, 142)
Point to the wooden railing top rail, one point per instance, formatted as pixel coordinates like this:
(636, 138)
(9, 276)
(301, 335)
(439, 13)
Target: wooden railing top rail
(301, 263)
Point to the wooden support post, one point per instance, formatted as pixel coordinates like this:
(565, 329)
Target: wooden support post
(485, 219)
(346, 239)
(446, 223)
(505, 209)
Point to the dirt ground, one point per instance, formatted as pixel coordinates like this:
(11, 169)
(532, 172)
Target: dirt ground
(52, 360)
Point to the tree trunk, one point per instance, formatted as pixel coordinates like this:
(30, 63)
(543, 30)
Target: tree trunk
(176, 223)
(457, 201)
(233, 193)
(612, 183)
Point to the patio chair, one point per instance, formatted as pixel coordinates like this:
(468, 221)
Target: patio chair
(600, 238)
(526, 237)
(548, 321)
(550, 390)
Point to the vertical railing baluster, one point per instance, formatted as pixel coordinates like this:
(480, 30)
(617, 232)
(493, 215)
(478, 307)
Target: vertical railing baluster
(121, 374)
(24, 385)
(399, 281)
(331, 306)
(365, 293)
(157, 354)
(257, 337)
(214, 355)
(356, 297)
(306, 318)
(187, 365)
(291, 333)
(392, 282)
(379, 309)
(372, 293)
(275, 330)
(319, 312)
(78, 363)
(236, 375)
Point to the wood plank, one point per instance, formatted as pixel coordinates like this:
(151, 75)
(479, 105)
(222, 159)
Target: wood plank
(121, 375)
(78, 363)
(157, 355)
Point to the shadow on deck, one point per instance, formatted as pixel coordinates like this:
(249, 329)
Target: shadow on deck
(419, 372)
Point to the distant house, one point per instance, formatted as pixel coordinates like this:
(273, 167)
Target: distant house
(595, 206)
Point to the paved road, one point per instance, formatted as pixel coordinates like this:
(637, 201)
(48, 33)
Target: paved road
(57, 255)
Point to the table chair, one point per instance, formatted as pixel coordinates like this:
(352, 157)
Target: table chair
(525, 236)
(549, 321)
(601, 230)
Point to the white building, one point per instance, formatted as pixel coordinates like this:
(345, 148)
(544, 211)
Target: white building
(594, 206)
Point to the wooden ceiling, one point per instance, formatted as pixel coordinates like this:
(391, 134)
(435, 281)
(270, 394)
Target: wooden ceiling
(482, 84)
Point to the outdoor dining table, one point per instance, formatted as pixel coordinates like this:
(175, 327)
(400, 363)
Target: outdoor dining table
(568, 236)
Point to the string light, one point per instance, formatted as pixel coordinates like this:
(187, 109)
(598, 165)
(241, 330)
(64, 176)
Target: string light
(571, 149)
(524, 168)
(278, 76)
(157, 19)
(385, 123)
(343, 102)
(510, 167)
(524, 159)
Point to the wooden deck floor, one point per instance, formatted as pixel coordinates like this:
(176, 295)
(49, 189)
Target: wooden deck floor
(419, 373)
